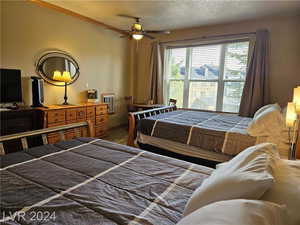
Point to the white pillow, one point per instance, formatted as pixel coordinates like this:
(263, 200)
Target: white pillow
(262, 109)
(286, 189)
(247, 176)
(269, 122)
(281, 142)
(237, 212)
(252, 152)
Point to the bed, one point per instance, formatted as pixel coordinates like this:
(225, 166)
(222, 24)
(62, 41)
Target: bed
(201, 134)
(92, 181)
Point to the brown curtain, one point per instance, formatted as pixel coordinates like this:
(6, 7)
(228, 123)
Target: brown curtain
(256, 90)
(156, 74)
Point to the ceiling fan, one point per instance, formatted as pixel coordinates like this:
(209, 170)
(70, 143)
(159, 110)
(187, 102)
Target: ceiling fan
(137, 32)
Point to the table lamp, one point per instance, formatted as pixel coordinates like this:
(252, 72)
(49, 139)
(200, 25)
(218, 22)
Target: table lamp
(292, 120)
(66, 78)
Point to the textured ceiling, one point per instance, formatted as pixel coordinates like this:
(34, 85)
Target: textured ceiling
(176, 14)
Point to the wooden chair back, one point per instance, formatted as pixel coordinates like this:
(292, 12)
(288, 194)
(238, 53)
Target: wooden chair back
(129, 102)
(128, 99)
(172, 101)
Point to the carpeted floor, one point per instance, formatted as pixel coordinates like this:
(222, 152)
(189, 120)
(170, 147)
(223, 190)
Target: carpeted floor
(118, 135)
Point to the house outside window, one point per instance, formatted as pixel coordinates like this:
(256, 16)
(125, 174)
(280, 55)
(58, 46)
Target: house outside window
(207, 77)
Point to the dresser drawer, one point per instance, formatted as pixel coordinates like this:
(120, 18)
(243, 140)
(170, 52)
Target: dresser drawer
(84, 132)
(60, 115)
(100, 131)
(70, 134)
(90, 112)
(53, 138)
(56, 124)
(56, 116)
(81, 131)
(93, 121)
(71, 114)
(81, 113)
(101, 119)
(72, 121)
(101, 109)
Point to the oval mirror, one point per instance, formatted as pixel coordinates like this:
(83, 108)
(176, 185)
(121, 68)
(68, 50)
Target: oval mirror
(57, 62)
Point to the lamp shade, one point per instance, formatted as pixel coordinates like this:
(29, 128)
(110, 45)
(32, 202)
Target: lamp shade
(296, 98)
(291, 114)
(66, 77)
(56, 75)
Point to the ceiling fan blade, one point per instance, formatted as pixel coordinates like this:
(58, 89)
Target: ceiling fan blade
(128, 16)
(125, 35)
(148, 36)
(158, 31)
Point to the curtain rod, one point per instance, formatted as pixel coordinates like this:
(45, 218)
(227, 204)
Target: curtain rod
(206, 37)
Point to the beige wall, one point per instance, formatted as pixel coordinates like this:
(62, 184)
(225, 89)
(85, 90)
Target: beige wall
(27, 30)
(107, 62)
(285, 53)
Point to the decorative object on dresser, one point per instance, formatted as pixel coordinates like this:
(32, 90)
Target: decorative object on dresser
(58, 68)
(20, 120)
(37, 85)
(62, 115)
(92, 96)
(292, 122)
(52, 61)
(66, 78)
(109, 99)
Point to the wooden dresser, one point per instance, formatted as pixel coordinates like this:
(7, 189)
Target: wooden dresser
(57, 115)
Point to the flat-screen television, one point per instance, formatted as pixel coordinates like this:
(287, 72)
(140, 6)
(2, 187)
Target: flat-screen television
(10, 84)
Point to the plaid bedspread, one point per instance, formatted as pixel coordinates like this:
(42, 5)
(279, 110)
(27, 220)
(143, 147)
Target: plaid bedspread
(224, 133)
(92, 181)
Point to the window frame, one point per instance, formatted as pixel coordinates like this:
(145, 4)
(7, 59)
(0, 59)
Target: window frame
(187, 78)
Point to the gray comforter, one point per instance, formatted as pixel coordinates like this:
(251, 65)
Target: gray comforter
(224, 133)
(91, 181)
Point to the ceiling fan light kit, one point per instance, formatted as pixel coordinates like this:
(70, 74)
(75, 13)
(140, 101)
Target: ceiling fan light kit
(137, 36)
(137, 32)
(137, 27)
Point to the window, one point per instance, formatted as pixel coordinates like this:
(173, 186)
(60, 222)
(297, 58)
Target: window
(208, 77)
